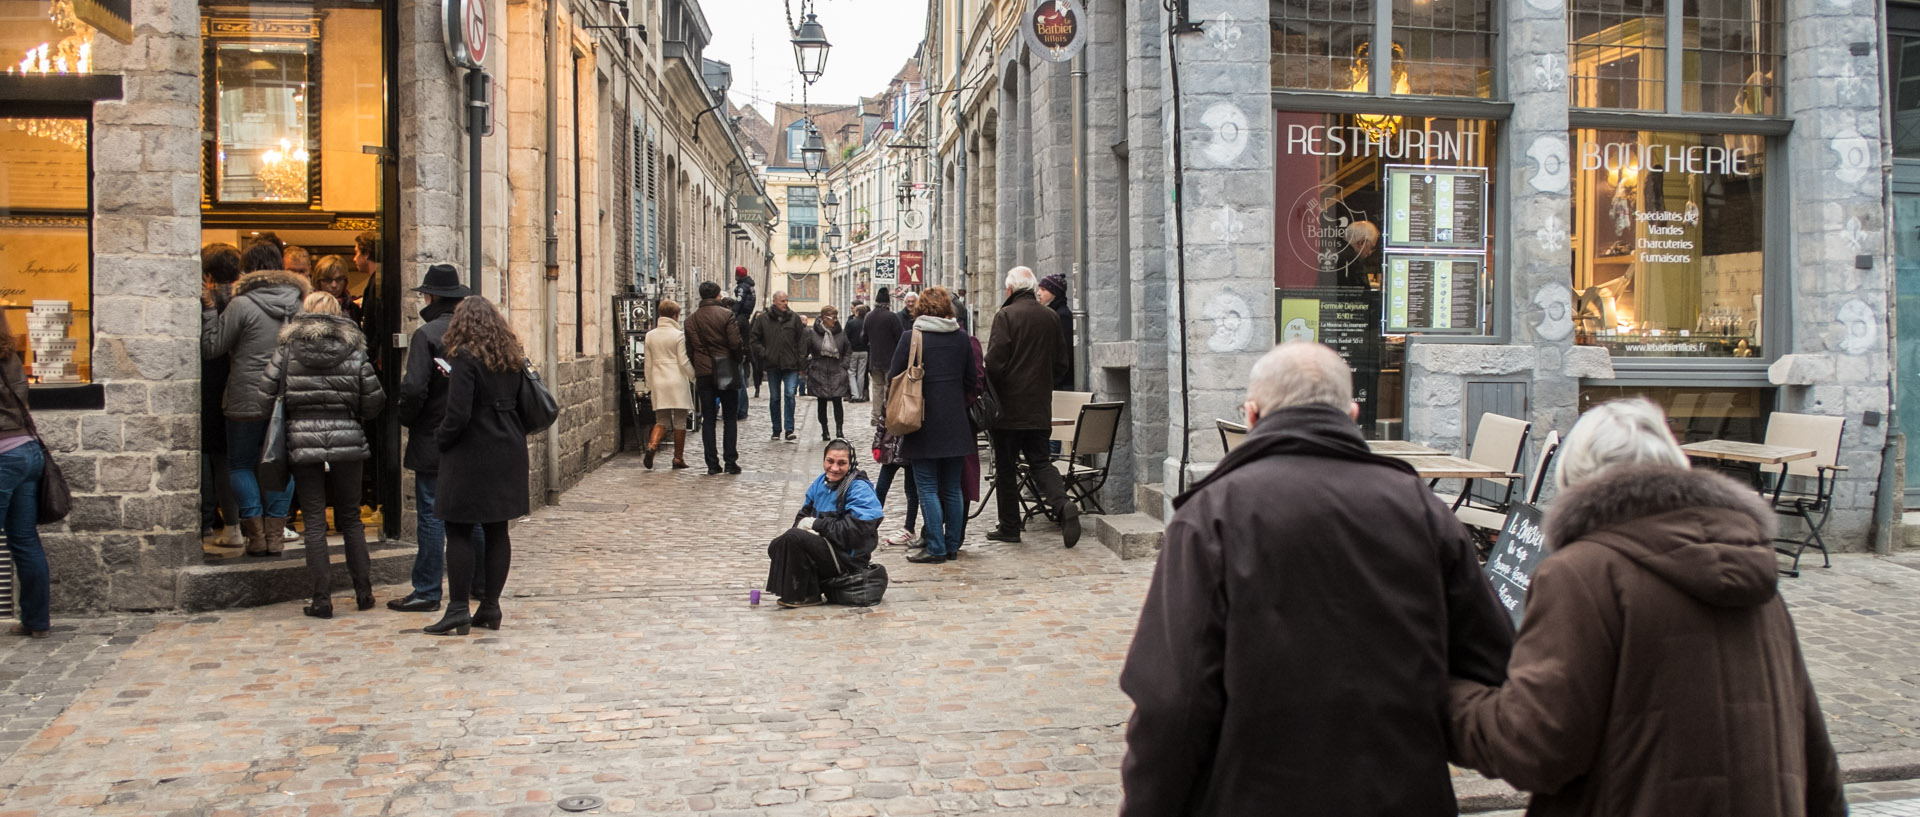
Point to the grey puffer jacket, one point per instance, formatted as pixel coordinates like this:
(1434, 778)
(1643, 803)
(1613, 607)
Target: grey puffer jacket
(330, 387)
(248, 330)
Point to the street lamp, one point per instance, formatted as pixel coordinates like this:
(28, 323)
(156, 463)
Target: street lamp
(833, 232)
(813, 152)
(810, 48)
(830, 199)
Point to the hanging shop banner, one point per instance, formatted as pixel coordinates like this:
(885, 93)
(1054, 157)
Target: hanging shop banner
(750, 209)
(886, 272)
(1436, 209)
(1433, 293)
(913, 222)
(911, 263)
(1056, 29)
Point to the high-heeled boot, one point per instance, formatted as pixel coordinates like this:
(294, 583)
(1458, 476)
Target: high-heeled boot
(488, 615)
(653, 444)
(680, 448)
(455, 622)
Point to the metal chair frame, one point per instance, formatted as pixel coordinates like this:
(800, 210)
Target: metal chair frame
(1823, 468)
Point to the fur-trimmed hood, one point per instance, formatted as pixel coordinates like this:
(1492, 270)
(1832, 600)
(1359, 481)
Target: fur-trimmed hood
(278, 292)
(1700, 532)
(321, 342)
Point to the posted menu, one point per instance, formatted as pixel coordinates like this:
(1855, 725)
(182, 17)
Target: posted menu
(1431, 208)
(1433, 293)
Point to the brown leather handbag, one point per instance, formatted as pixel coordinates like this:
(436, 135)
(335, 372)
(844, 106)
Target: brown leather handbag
(906, 407)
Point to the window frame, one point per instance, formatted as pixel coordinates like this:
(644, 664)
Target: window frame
(28, 97)
(1674, 62)
(301, 29)
(1380, 71)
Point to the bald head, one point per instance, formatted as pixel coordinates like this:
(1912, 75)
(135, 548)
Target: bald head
(1299, 373)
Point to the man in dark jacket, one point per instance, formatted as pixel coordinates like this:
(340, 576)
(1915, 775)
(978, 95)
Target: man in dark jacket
(883, 330)
(780, 340)
(423, 404)
(713, 334)
(1322, 687)
(857, 360)
(1053, 295)
(744, 301)
(1026, 358)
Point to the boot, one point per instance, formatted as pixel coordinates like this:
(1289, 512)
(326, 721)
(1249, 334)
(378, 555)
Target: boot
(256, 539)
(488, 615)
(680, 448)
(653, 443)
(273, 530)
(322, 607)
(456, 621)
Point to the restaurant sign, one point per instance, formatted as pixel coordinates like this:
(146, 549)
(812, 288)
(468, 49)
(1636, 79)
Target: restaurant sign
(750, 209)
(1056, 30)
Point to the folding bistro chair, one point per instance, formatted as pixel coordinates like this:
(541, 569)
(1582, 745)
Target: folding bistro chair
(1497, 443)
(1093, 438)
(1485, 523)
(1822, 434)
(1231, 434)
(1067, 404)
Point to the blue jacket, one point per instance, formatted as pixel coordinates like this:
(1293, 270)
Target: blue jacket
(850, 521)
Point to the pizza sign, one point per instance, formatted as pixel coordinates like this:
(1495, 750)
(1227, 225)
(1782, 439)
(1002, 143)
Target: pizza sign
(1056, 30)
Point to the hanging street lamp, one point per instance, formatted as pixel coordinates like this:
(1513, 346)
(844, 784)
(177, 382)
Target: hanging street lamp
(810, 48)
(830, 200)
(813, 152)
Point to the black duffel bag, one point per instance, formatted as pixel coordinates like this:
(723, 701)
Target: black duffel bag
(861, 587)
(984, 412)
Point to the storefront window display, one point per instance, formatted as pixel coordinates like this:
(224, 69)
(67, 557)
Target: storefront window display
(1438, 47)
(1697, 413)
(46, 270)
(1385, 230)
(1668, 244)
(1729, 63)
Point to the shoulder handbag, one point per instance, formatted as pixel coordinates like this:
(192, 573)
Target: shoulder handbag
(726, 373)
(985, 411)
(906, 406)
(274, 469)
(535, 405)
(56, 497)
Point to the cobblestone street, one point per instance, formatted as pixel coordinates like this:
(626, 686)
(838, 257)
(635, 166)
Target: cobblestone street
(631, 668)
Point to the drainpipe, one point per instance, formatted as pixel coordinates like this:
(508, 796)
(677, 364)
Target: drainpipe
(1890, 495)
(960, 210)
(1081, 357)
(550, 323)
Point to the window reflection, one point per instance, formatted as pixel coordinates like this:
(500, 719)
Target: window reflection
(262, 108)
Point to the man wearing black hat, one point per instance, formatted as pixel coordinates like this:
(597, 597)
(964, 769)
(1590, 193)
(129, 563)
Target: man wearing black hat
(883, 334)
(423, 402)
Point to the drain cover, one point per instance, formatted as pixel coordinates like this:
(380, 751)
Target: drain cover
(581, 803)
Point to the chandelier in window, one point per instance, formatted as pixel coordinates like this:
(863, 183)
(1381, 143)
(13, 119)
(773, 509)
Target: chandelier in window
(73, 54)
(284, 172)
(1378, 126)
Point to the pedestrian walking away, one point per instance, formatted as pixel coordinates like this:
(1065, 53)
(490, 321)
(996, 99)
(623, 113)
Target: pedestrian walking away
(422, 406)
(483, 453)
(883, 329)
(1026, 357)
(938, 450)
(857, 362)
(670, 378)
(1355, 595)
(827, 378)
(780, 341)
(247, 331)
(713, 343)
(328, 387)
(1657, 671)
(833, 535)
(23, 461)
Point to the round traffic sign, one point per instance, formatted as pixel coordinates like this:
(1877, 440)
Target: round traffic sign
(475, 29)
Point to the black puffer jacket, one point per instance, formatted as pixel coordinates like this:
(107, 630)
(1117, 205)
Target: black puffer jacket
(330, 388)
(248, 329)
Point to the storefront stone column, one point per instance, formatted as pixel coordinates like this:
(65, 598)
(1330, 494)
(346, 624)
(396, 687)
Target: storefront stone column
(1228, 156)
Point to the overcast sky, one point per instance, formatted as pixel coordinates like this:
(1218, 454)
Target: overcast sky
(871, 40)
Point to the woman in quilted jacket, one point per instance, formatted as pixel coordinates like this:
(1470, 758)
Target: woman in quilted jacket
(321, 365)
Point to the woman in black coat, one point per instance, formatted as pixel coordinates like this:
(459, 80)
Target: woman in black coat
(940, 448)
(827, 380)
(483, 458)
(329, 390)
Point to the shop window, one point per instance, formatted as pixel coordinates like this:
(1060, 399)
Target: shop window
(1384, 230)
(1435, 47)
(46, 269)
(1730, 61)
(1696, 413)
(1669, 243)
(1903, 85)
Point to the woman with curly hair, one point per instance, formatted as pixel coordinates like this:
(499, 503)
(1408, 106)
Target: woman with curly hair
(483, 458)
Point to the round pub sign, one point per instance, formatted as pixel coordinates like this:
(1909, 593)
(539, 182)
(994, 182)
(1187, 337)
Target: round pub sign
(1056, 29)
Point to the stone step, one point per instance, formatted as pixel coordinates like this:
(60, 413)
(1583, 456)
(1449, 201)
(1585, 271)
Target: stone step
(1151, 499)
(1909, 530)
(246, 581)
(1131, 535)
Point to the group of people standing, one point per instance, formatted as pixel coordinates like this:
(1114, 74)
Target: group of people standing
(269, 338)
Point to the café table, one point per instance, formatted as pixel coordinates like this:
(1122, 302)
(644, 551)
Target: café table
(1063, 421)
(1403, 448)
(1447, 466)
(1749, 453)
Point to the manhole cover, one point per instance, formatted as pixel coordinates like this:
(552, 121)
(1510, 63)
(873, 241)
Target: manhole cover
(581, 803)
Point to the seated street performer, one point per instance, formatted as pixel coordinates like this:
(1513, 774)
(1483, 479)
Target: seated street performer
(834, 534)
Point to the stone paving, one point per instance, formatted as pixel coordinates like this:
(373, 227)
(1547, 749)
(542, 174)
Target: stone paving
(631, 668)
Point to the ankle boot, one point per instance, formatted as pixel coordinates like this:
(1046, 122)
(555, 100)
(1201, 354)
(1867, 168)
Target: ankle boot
(679, 448)
(456, 621)
(273, 530)
(488, 615)
(321, 607)
(256, 542)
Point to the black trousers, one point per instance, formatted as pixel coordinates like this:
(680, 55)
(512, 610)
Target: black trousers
(1031, 445)
(839, 414)
(337, 485)
(460, 560)
(801, 560)
(729, 399)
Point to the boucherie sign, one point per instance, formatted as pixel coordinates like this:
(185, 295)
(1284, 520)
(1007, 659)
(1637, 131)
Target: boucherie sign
(1056, 30)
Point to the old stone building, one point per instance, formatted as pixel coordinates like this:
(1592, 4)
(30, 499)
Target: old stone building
(339, 128)
(1520, 208)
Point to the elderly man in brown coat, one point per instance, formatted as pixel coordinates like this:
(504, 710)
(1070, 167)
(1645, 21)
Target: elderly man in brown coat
(1311, 601)
(1027, 353)
(714, 336)
(1657, 673)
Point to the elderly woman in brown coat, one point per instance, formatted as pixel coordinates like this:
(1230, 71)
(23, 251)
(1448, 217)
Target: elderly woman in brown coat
(1656, 671)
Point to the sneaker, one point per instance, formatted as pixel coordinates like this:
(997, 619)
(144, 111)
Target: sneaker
(903, 537)
(813, 601)
(288, 534)
(792, 437)
(775, 438)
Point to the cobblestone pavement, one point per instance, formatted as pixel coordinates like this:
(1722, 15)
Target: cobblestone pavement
(631, 668)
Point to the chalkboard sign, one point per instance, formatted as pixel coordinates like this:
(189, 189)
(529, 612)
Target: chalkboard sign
(1516, 554)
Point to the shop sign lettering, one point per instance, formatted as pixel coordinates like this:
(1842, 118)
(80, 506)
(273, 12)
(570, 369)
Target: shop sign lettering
(1055, 30)
(1657, 158)
(1349, 141)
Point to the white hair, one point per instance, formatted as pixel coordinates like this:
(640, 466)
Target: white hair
(1020, 279)
(1300, 373)
(1618, 432)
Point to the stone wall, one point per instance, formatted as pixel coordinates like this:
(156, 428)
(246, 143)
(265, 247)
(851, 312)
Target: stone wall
(588, 393)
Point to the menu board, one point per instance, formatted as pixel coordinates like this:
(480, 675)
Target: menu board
(1436, 208)
(1433, 293)
(1516, 555)
(1335, 316)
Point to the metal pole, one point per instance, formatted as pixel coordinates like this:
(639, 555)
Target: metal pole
(1078, 303)
(476, 128)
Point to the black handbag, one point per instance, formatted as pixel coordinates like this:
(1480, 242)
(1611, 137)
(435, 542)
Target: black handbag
(986, 410)
(861, 587)
(274, 470)
(55, 500)
(535, 405)
(726, 373)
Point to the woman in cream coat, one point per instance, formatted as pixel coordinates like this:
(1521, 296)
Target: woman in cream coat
(670, 377)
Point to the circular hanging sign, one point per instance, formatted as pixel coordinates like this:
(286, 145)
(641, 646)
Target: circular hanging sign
(465, 32)
(1056, 29)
